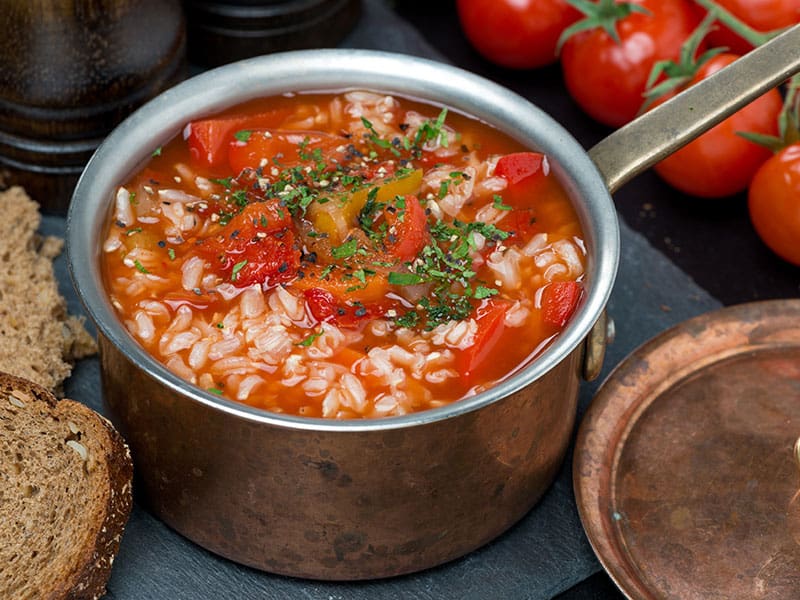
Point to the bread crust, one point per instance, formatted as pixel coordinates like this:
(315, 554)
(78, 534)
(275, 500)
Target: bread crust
(39, 340)
(94, 561)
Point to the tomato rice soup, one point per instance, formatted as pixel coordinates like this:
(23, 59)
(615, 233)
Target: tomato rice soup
(343, 255)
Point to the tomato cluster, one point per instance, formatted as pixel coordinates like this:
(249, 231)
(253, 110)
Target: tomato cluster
(612, 55)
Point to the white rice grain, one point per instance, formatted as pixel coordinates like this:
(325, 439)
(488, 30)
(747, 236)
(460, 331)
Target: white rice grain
(247, 385)
(516, 315)
(535, 245)
(455, 334)
(172, 344)
(224, 347)
(252, 302)
(283, 301)
(123, 211)
(178, 197)
(145, 330)
(506, 268)
(198, 356)
(192, 273)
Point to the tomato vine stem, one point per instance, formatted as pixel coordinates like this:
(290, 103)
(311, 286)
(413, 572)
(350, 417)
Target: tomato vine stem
(753, 37)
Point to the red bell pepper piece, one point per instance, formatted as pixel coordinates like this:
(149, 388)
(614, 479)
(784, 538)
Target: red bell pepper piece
(283, 147)
(490, 318)
(208, 138)
(409, 234)
(256, 246)
(325, 307)
(559, 301)
(519, 166)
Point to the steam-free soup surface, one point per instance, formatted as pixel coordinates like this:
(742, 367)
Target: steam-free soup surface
(343, 255)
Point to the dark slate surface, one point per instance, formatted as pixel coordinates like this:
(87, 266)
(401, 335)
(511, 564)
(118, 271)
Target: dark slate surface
(545, 554)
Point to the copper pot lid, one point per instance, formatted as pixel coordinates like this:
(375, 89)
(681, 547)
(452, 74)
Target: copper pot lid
(686, 464)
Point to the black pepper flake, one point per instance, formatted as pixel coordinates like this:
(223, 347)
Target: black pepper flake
(234, 234)
(404, 126)
(464, 148)
(361, 311)
(120, 224)
(162, 244)
(197, 291)
(284, 266)
(311, 257)
(340, 311)
(279, 234)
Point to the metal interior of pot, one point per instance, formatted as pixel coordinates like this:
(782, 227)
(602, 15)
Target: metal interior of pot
(131, 143)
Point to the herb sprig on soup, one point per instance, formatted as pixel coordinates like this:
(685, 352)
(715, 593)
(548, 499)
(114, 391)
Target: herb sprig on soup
(343, 255)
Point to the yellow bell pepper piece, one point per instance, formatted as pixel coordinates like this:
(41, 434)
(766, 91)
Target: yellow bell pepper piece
(338, 216)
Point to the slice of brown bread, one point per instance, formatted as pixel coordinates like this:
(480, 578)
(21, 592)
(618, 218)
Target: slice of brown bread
(65, 495)
(38, 339)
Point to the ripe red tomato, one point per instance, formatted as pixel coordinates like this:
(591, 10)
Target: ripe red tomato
(520, 34)
(761, 15)
(721, 163)
(774, 202)
(608, 79)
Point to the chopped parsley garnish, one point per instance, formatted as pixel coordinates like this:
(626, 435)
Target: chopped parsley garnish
(140, 267)
(216, 391)
(405, 278)
(132, 199)
(226, 183)
(240, 197)
(410, 319)
(310, 339)
(156, 152)
(171, 253)
(498, 203)
(432, 132)
(446, 264)
(346, 250)
(482, 292)
(236, 268)
(243, 135)
(133, 231)
(377, 140)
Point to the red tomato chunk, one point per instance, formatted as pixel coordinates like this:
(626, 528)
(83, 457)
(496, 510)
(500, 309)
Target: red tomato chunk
(354, 255)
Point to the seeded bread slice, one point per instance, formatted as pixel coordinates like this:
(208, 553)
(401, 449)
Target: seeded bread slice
(38, 339)
(65, 495)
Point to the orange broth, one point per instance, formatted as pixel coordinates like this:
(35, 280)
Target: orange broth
(343, 255)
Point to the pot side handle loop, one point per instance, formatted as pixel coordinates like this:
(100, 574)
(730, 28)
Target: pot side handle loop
(660, 132)
(594, 349)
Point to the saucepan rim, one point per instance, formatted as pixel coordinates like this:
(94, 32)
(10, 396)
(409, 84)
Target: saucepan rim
(155, 123)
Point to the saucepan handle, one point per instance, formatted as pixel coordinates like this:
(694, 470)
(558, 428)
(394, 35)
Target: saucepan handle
(660, 132)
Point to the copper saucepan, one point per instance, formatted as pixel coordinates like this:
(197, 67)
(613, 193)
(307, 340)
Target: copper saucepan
(374, 498)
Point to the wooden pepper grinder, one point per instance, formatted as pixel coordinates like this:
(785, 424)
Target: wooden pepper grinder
(70, 70)
(222, 31)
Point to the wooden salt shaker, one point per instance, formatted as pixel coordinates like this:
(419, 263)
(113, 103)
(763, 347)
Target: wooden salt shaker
(70, 70)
